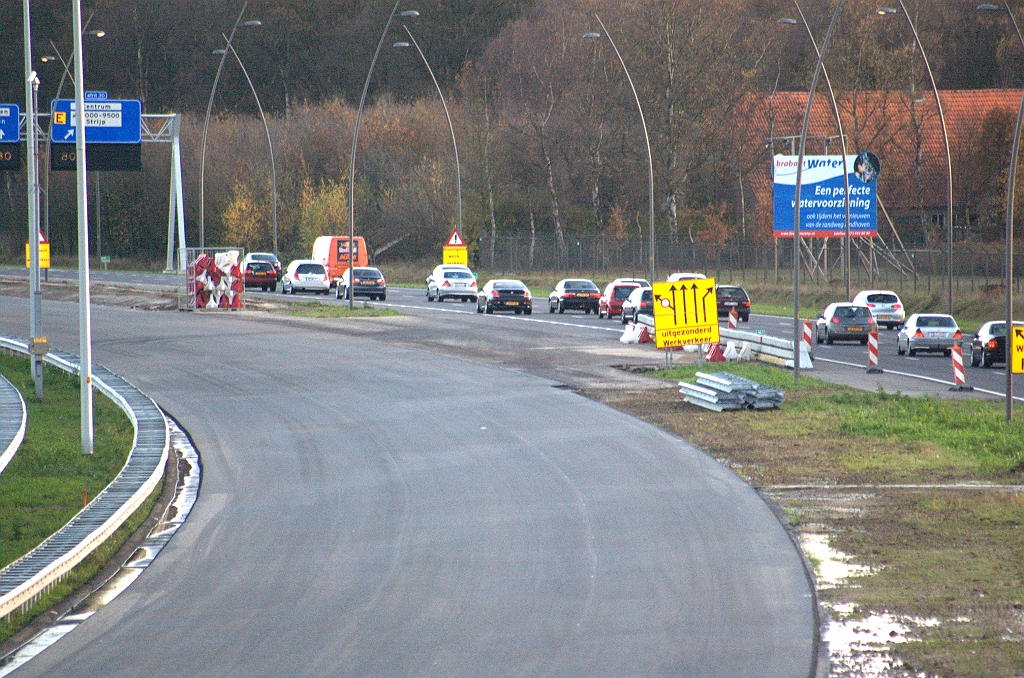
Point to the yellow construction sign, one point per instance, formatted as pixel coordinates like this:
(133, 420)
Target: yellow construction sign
(455, 250)
(685, 313)
(44, 255)
(1017, 356)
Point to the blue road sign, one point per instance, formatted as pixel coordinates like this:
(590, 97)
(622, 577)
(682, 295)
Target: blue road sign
(10, 131)
(110, 121)
(95, 95)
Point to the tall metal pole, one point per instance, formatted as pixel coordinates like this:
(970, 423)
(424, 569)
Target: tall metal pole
(949, 162)
(270, 144)
(206, 127)
(355, 141)
(32, 149)
(84, 318)
(451, 128)
(842, 141)
(797, 330)
(647, 141)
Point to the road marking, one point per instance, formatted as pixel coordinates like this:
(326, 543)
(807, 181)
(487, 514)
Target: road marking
(920, 376)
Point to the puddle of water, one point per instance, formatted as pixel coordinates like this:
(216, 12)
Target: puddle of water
(832, 567)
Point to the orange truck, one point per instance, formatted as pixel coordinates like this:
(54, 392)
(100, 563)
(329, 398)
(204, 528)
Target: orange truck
(333, 252)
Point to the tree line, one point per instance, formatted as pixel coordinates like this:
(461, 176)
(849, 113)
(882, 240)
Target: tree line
(549, 134)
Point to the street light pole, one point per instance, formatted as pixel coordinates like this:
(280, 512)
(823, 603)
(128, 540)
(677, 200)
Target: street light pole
(842, 141)
(1011, 187)
(451, 128)
(409, 14)
(84, 311)
(797, 330)
(32, 150)
(206, 126)
(270, 144)
(883, 11)
(647, 140)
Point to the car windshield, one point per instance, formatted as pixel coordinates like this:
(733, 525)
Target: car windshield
(580, 285)
(732, 293)
(622, 293)
(458, 275)
(997, 329)
(882, 298)
(852, 312)
(509, 285)
(646, 296)
(935, 321)
(263, 257)
(368, 273)
(310, 269)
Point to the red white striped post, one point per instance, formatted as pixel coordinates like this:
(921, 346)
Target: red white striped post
(809, 336)
(958, 369)
(873, 367)
(734, 319)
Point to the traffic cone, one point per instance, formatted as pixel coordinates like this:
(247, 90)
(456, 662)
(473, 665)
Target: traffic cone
(958, 370)
(734, 319)
(645, 336)
(713, 353)
(873, 367)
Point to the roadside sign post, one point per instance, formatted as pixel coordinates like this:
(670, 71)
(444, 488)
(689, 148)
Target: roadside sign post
(685, 313)
(455, 250)
(38, 347)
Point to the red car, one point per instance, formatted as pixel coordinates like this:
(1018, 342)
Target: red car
(260, 274)
(616, 292)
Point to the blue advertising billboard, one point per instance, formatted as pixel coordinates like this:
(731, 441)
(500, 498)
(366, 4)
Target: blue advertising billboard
(822, 206)
(107, 121)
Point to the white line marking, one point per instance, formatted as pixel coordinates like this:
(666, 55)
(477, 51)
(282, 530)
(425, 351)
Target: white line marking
(505, 317)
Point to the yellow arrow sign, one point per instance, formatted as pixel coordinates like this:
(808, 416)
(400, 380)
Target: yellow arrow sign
(1017, 356)
(685, 312)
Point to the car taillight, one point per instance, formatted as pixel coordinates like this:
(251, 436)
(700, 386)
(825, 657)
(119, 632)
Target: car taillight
(871, 320)
(835, 321)
(494, 293)
(528, 295)
(992, 343)
(745, 303)
(870, 305)
(897, 305)
(918, 334)
(957, 335)
(295, 275)
(356, 281)
(380, 281)
(446, 284)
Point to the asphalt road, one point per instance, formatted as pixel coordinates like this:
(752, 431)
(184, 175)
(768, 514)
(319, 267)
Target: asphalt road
(411, 496)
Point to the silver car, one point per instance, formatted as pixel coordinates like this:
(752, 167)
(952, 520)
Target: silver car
(885, 306)
(305, 275)
(927, 332)
(450, 280)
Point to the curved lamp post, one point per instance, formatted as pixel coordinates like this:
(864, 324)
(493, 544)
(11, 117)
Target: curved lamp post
(455, 148)
(1010, 190)
(647, 141)
(797, 330)
(842, 141)
(270, 144)
(206, 126)
(884, 11)
(408, 14)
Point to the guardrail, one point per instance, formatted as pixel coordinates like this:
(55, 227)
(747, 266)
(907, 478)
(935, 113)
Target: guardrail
(761, 346)
(12, 411)
(26, 579)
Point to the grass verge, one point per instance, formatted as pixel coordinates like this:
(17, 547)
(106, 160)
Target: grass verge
(945, 556)
(315, 309)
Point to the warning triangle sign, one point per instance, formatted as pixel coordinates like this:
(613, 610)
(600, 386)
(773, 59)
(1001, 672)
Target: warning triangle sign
(455, 240)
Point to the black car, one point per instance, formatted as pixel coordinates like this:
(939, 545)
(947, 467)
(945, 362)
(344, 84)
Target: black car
(733, 297)
(270, 259)
(989, 344)
(366, 282)
(504, 295)
(580, 295)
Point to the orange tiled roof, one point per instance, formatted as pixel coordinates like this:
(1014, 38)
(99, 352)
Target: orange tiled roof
(903, 131)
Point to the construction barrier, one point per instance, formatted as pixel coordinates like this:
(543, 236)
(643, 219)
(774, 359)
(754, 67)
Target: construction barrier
(809, 336)
(213, 279)
(713, 353)
(873, 367)
(958, 369)
(734, 319)
(768, 349)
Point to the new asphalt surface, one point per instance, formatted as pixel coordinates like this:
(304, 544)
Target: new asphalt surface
(411, 495)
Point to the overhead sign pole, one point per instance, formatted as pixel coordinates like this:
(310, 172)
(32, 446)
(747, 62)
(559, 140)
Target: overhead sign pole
(32, 148)
(84, 318)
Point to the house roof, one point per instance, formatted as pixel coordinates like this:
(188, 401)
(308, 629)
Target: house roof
(903, 130)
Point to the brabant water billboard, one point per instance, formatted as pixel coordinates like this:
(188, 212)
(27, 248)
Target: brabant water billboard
(822, 207)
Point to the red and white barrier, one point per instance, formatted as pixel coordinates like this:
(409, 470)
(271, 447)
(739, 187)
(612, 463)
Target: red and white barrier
(218, 280)
(713, 353)
(808, 339)
(734, 319)
(958, 370)
(636, 334)
(873, 367)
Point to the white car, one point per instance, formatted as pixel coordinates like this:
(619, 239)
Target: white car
(927, 332)
(450, 280)
(885, 306)
(639, 301)
(676, 277)
(305, 275)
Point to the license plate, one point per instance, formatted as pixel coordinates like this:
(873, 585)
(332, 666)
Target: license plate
(512, 303)
(460, 284)
(855, 329)
(885, 317)
(730, 303)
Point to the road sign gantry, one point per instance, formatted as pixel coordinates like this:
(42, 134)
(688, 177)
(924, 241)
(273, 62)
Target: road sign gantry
(107, 121)
(685, 313)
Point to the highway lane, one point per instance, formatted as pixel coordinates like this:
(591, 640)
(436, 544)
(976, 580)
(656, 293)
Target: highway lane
(382, 498)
